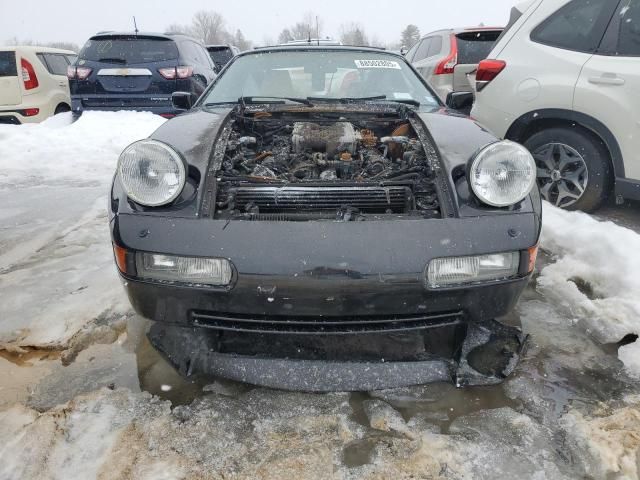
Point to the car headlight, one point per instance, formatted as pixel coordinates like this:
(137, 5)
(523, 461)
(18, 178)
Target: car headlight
(502, 174)
(192, 270)
(152, 173)
(454, 271)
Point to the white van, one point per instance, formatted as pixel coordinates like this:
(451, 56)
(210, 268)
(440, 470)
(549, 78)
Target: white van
(33, 83)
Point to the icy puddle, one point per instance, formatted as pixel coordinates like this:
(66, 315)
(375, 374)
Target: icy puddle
(84, 395)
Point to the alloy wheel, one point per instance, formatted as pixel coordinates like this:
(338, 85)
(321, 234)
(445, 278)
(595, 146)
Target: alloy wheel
(562, 174)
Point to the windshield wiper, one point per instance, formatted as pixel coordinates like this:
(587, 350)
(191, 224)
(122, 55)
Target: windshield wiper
(408, 101)
(112, 60)
(257, 98)
(347, 99)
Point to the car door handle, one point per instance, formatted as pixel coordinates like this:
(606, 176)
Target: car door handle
(607, 79)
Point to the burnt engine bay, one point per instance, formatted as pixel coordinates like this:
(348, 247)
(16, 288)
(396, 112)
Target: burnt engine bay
(286, 167)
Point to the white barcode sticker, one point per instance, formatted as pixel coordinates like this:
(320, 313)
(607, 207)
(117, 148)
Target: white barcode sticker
(377, 64)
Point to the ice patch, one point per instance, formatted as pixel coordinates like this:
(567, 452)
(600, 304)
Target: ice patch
(630, 356)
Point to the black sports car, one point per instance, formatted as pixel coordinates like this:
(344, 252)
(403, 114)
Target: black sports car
(318, 220)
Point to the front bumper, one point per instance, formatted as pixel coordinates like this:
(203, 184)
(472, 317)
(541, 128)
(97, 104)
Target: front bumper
(324, 269)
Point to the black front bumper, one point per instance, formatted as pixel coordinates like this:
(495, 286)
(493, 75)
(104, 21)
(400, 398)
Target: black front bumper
(341, 281)
(315, 271)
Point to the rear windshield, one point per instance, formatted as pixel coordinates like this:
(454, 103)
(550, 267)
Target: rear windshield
(474, 47)
(128, 50)
(8, 64)
(221, 56)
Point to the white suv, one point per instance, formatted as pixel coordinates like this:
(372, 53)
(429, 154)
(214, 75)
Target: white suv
(33, 83)
(564, 80)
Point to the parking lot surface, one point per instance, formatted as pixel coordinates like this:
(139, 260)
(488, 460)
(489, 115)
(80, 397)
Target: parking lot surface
(83, 393)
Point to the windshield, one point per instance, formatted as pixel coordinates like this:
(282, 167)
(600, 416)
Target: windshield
(220, 56)
(475, 46)
(128, 51)
(320, 75)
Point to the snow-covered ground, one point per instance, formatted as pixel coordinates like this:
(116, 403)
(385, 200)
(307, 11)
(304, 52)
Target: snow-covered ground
(66, 332)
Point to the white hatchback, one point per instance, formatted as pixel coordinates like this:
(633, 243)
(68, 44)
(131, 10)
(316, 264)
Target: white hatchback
(33, 83)
(564, 80)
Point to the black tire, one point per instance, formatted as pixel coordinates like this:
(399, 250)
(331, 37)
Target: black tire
(63, 107)
(583, 148)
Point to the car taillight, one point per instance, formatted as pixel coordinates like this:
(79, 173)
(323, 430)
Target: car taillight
(81, 73)
(176, 72)
(487, 71)
(448, 65)
(28, 75)
(30, 112)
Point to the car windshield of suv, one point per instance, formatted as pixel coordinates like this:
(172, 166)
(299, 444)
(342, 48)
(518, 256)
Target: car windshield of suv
(320, 75)
(473, 47)
(129, 50)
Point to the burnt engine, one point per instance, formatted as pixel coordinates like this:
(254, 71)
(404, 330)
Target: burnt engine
(305, 170)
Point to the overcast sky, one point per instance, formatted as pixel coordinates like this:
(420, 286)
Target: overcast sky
(76, 20)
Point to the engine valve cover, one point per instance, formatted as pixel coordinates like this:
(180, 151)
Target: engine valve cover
(332, 139)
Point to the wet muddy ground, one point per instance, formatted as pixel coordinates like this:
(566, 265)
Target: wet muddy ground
(569, 411)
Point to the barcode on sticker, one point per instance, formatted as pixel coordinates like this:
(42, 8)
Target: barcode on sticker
(377, 64)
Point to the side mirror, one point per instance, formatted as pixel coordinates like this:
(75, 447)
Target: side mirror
(403, 51)
(182, 100)
(460, 100)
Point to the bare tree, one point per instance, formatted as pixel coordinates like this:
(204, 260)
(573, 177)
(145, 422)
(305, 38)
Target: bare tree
(178, 28)
(285, 36)
(208, 27)
(311, 26)
(353, 34)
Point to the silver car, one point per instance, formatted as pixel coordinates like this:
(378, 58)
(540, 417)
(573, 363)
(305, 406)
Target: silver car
(447, 59)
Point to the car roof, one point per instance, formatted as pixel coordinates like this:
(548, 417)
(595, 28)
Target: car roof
(36, 49)
(310, 48)
(464, 30)
(165, 36)
(219, 46)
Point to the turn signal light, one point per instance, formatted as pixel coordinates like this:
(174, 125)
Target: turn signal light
(120, 255)
(533, 255)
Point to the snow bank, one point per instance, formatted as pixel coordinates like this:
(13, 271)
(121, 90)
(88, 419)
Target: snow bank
(595, 276)
(56, 268)
(57, 150)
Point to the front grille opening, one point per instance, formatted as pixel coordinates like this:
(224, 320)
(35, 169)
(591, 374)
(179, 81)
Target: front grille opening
(326, 202)
(441, 340)
(320, 325)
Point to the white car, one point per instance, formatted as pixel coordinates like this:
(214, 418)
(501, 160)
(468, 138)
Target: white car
(447, 58)
(564, 80)
(33, 83)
